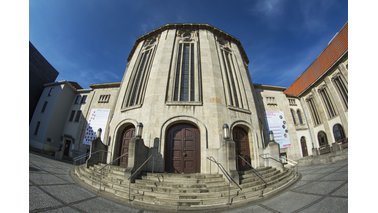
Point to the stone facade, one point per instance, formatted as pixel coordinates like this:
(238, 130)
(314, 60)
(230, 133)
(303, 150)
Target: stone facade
(187, 96)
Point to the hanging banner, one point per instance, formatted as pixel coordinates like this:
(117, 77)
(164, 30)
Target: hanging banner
(98, 118)
(277, 124)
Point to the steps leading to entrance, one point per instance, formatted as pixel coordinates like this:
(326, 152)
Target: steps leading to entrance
(167, 191)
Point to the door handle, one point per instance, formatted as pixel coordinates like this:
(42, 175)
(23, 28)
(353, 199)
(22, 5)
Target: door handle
(184, 154)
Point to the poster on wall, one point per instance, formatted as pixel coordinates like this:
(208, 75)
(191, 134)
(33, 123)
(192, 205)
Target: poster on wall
(97, 119)
(277, 123)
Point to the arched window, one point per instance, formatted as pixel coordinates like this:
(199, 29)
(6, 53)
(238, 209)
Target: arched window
(293, 115)
(304, 146)
(322, 138)
(338, 132)
(299, 116)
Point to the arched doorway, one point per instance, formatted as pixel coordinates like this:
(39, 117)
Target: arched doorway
(127, 134)
(240, 137)
(322, 138)
(182, 151)
(304, 146)
(338, 133)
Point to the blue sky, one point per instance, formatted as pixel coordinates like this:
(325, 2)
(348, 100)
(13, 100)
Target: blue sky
(88, 41)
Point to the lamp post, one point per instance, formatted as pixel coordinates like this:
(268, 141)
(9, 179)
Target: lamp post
(226, 131)
(98, 133)
(139, 130)
(271, 136)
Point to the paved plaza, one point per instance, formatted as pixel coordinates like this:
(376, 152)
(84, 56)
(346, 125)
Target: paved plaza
(322, 188)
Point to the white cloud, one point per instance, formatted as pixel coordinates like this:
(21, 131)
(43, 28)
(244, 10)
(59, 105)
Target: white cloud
(267, 7)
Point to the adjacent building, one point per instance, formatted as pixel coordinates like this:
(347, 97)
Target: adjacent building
(40, 73)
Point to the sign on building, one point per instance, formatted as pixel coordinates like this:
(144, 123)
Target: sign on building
(97, 119)
(278, 124)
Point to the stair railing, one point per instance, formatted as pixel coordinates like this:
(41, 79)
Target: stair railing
(294, 164)
(267, 156)
(106, 165)
(80, 157)
(136, 172)
(227, 175)
(257, 174)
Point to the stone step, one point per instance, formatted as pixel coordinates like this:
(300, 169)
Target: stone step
(252, 178)
(183, 195)
(104, 178)
(184, 191)
(180, 202)
(250, 173)
(258, 182)
(184, 176)
(180, 184)
(188, 180)
(260, 169)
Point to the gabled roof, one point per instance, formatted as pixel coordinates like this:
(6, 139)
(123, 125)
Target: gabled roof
(336, 49)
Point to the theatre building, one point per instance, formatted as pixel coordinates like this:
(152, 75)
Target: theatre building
(187, 98)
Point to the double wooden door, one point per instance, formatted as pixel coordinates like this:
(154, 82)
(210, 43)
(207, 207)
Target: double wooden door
(240, 137)
(182, 149)
(127, 136)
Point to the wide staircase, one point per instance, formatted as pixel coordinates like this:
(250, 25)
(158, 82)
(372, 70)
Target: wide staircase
(173, 192)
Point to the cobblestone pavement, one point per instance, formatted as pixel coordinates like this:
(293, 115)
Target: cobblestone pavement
(322, 188)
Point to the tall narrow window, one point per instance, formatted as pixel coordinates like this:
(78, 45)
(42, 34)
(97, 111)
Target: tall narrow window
(293, 115)
(342, 89)
(186, 79)
(139, 77)
(49, 94)
(338, 133)
(314, 112)
(78, 115)
(77, 99)
(231, 76)
(37, 128)
(72, 115)
(83, 99)
(327, 102)
(44, 107)
(299, 116)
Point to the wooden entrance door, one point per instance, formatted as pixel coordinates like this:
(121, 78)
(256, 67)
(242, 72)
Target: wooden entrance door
(67, 148)
(183, 149)
(240, 137)
(304, 147)
(127, 135)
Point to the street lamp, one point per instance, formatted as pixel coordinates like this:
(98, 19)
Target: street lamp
(139, 130)
(226, 131)
(271, 136)
(98, 133)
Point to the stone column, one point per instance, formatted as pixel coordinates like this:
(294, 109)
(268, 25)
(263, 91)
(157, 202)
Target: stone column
(273, 149)
(228, 156)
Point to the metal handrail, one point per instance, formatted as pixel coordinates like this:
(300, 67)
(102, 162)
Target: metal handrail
(270, 157)
(227, 175)
(256, 173)
(135, 172)
(111, 163)
(108, 164)
(86, 155)
(293, 163)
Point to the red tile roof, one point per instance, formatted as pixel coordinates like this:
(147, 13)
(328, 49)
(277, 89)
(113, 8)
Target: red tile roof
(333, 52)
